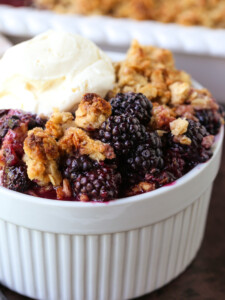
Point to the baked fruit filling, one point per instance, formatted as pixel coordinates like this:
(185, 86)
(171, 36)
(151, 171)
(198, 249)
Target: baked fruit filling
(150, 130)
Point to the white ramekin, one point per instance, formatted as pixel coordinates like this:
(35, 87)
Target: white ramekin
(104, 251)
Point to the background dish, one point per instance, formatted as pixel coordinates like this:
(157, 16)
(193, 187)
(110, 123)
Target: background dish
(198, 50)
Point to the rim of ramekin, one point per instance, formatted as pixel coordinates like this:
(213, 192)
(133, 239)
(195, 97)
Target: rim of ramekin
(121, 201)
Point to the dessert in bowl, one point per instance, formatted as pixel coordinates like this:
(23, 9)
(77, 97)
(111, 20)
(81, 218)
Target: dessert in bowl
(124, 157)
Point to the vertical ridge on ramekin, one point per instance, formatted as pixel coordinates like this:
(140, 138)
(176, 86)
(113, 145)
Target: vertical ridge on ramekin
(165, 247)
(119, 246)
(104, 266)
(6, 261)
(39, 264)
(27, 261)
(65, 284)
(14, 250)
(80, 268)
(143, 259)
(186, 218)
(186, 255)
(131, 258)
(92, 267)
(155, 246)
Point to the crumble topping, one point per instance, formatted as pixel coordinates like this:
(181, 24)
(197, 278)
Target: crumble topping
(41, 157)
(77, 139)
(58, 123)
(92, 112)
(178, 126)
(148, 70)
(179, 92)
(140, 188)
(182, 139)
(162, 116)
(202, 99)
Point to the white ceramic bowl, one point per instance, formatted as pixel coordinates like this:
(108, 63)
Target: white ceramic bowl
(61, 250)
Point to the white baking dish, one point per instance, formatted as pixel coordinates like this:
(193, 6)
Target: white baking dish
(96, 251)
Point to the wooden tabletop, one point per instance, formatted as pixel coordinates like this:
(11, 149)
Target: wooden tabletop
(205, 277)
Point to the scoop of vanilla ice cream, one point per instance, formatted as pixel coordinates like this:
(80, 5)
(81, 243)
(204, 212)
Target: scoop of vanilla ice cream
(53, 70)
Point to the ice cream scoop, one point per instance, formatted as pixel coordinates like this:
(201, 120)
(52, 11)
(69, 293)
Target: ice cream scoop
(53, 70)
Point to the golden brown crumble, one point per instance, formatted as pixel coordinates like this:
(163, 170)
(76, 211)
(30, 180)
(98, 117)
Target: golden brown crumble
(148, 70)
(162, 116)
(186, 111)
(179, 92)
(41, 157)
(77, 139)
(202, 99)
(58, 123)
(141, 187)
(64, 191)
(179, 126)
(210, 13)
(92, 112)
(182, 139)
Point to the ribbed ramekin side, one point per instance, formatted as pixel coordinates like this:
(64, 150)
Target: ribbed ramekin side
(97, 267)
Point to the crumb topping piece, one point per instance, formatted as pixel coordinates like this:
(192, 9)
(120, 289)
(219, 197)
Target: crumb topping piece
(77, 139)
(41, 157)
(92, 112)
(179, 126)
(148, 70)
(140, 188)
(179, 92)
(202, 99)
(58, 123)
(162, 116)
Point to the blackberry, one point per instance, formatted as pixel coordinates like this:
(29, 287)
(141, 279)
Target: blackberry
(99, 184)
(15, 178)
(11, 119)
(133, 104)
(159, 178)
(32, 120)
(175, 165)
(122, 133)
(195, 152)
(211, 119)
(74, 165)
(196, 132)
(146, 156)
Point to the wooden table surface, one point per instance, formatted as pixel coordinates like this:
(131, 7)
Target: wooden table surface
(205, 277)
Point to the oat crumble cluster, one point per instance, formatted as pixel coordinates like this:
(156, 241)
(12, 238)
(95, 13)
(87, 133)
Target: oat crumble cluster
(210, 13)
(151, 129)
